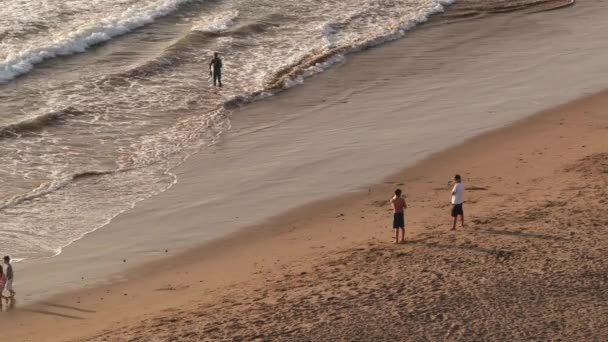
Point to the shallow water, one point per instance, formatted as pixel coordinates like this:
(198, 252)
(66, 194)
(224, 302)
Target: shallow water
(86, 136)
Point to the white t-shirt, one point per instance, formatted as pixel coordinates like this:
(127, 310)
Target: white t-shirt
(458, 193)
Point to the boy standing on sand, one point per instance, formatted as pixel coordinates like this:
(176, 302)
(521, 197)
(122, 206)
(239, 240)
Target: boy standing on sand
(457, 201)
(9, 276)
(399, 207)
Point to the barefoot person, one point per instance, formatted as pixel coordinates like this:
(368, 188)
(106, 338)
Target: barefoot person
(215, 68)
(9, 277)
(457, 201)
(2, 284)
(399, 207)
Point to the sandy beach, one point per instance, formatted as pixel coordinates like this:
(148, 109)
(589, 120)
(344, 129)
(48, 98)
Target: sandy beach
(528, 264)
(296, 223)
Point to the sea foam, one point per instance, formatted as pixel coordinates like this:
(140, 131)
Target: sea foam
(23, 61)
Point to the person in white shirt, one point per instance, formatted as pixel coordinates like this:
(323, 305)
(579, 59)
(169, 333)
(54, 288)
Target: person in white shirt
(457, 200)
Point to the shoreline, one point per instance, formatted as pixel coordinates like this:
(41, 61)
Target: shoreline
(412, 81)
(237, 103)
(267, 252)
(452, 84)
(442, 17)
(233, 268)
(228, 242)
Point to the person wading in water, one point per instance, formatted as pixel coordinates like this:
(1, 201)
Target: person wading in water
(215, 68)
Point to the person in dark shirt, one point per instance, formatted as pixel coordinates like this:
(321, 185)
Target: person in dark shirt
(215, 68)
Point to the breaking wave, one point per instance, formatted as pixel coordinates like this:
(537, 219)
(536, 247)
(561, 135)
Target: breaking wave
(37, 123)
(23, 61)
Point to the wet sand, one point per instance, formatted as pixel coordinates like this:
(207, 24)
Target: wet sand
(528, 264)
(346, 129)
(320, 139)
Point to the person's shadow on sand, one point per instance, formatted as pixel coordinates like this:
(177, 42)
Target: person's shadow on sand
(46, 308)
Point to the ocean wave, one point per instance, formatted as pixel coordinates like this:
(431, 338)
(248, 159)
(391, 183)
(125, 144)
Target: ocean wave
(173, 56)
(295, 73)
(183, 50)
(37, 123)
(78, 41)
(320, 60)
(211, 126)
(472, 9)
(51, 186)
(216, 23)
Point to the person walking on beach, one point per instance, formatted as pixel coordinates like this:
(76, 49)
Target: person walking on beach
(215, 69)
(9, 276)
(2, 284)
(457, 201)
(399, 206)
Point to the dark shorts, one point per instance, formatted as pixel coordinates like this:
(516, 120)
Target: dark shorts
(398, 220)
(457, 210)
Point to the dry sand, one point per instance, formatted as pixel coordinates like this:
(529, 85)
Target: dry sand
(528, 265)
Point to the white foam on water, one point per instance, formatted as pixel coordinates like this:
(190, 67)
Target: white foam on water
(214, 124)
(330, 29)
(21, 62)
(215, 22)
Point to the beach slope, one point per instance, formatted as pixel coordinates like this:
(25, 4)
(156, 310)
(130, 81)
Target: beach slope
(528, 265)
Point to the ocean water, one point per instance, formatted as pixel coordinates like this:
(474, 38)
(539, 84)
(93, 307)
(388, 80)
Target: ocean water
(101, 99)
